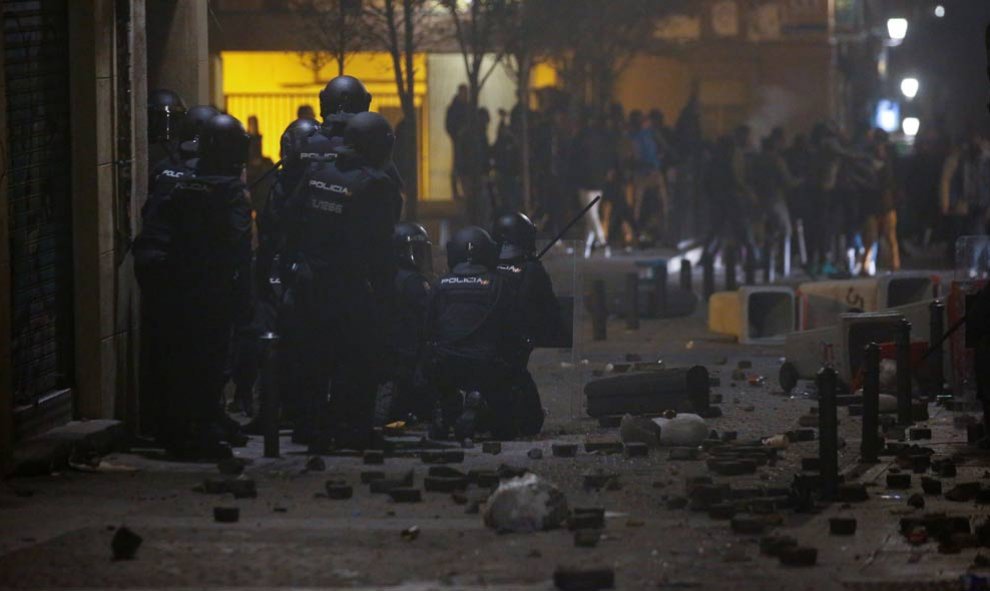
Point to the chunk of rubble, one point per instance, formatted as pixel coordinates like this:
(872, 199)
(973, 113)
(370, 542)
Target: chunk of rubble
(584, 578)
(639, 430)
(526, 504)
(684, 430)
(125, 544)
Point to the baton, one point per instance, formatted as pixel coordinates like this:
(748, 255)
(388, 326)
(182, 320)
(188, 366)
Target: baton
(944, 338)
(560, 234)
(264, 176)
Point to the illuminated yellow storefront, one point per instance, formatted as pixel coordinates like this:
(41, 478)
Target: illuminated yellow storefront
(271, 86)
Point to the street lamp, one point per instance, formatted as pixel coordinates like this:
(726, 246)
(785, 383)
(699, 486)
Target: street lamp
(909, 87)
(897, 29)
(911, 125)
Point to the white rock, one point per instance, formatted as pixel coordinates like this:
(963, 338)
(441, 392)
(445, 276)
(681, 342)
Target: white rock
(684, 430)
(526, 504)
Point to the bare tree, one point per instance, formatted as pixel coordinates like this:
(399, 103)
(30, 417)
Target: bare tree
(400, 26)
(335, 27)
(475, 28)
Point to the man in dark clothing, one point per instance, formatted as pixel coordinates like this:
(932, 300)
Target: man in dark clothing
(339, 250)
(470, 330)
(454, 123)
(734, 200)
(406, 393)
(535, 307)
(192, 261)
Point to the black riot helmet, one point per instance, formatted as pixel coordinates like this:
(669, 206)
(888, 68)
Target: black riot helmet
(192, 127)
(472, 245)
(165, 112)
(223, 146)
(413, 249)
(295, 136)
(516, 236)
(344, 94)
(371, 136)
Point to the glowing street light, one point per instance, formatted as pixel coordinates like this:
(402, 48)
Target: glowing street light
(939, 11)
(897, 29)
(911, 125)
(909, 87)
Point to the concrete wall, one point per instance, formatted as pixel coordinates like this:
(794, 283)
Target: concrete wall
(178, 48)
(6, 374)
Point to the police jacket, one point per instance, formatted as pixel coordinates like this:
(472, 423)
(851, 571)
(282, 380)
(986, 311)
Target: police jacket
(151, 245)
(536, 306)
(339, 223)
(412, 291)
(209, 218)
(471, 315)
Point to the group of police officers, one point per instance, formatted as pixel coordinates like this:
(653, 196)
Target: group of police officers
(364, 335)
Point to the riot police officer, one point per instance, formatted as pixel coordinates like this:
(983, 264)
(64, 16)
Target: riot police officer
(405, 394)
(338, 229)
(181, 163)
(166, 110)
(199, 286)
(536, 307)
(470, 333)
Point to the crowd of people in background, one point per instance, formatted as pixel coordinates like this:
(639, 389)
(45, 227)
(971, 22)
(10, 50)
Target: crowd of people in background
(836, 202)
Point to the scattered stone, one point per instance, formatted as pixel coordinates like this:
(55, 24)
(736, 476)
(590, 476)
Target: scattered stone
(406, 495)
(600, 480)
(484, 478)
(798, 556)
(722, 511)
(603, 446)
(918, 433)
(491, 447)
(231, 466)
(213, 486)
(842, 526)
(369, 476)
(898, 481)
(774, 545)
(963, 492)
(315, 464)
(338, 490)
(242, 488)
(226, 514)
(587, 538)
(677, 503)
(445, 472)
(526, 504)
(506, 471)
(535, 454)
(800, 435)
(375, 457)
(564, 450)
(917, 501)
(946, 469)
(812, 464)
(683, 454)
(808, 421)
(729, 436)
(732, 468)
(410, 533)
(587, 518)
(638, 430)
(610, 421)
(748, 525)
(444, 484)
(583, 579)
(125, 544)
(931, 486)
(636, 450)
(385, 485)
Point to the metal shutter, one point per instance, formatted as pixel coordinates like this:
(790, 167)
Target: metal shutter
(35, 38)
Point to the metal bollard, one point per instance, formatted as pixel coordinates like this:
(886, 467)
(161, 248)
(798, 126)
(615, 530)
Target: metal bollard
(749, 268)
(708, 275)
(599, 311)
(729, 256)
(687, 276)
(660, 290)
(936, 325)
(902, 341)
(632, 301)
(828, 431)
(869, 450)
(269, 395)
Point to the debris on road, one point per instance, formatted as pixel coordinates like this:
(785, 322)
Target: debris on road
(125, 544)
(526, 504)
(226, 514)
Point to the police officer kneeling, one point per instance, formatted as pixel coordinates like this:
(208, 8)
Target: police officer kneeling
(195, 279)
(536, 308)
(471, 332)
(339, 247)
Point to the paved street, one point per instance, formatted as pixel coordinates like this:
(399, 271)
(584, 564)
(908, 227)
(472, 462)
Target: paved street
(56, 530)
